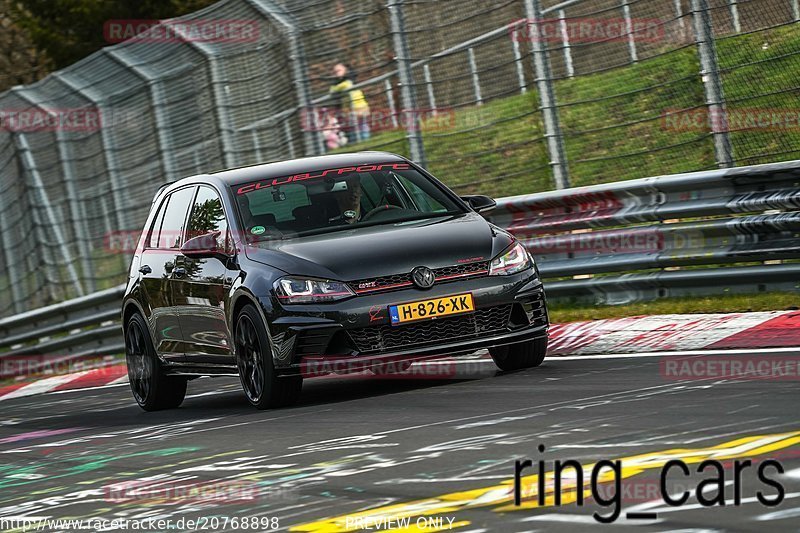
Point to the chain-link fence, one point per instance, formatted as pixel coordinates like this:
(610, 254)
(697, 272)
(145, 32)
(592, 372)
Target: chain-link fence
(505, 97)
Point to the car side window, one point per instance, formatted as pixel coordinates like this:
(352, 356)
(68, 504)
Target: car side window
(175, 217)
(208, 216)
(158, 221)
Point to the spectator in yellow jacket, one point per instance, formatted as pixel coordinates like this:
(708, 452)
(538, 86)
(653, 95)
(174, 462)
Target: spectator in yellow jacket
(353, 106)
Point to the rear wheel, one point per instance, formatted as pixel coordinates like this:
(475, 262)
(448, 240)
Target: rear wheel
(263, 388)
(151, 387)
(527, 354)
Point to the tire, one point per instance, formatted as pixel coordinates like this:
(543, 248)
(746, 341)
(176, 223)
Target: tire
(261, 384)
(518, 356)
(152, 389)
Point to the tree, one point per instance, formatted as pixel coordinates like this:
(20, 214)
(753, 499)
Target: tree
(69, 30)
(20, 60)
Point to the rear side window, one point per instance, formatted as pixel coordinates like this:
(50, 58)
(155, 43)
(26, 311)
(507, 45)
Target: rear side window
(155, 230)
(172, 221)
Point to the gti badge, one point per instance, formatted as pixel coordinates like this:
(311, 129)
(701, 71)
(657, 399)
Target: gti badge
(423, 277)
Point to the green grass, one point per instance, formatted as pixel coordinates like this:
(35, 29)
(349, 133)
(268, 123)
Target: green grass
(498, 148)
(561, 312)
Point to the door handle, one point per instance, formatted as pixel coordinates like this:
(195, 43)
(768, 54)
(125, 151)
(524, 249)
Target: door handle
(145, 269)
(179, 272)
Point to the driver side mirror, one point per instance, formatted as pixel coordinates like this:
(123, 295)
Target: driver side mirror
(204, 246)
(480, 203)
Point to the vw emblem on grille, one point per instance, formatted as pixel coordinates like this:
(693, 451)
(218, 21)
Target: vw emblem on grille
(423, 277)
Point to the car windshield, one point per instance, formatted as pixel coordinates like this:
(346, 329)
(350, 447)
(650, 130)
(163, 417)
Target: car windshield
(340, 198)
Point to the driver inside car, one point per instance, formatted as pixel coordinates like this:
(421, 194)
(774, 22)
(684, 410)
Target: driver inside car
(349, 200)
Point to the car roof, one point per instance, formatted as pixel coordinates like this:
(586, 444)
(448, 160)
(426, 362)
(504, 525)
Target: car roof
(306, 164)
(251, 173)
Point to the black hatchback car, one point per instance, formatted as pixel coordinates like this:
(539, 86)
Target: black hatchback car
(341, 263)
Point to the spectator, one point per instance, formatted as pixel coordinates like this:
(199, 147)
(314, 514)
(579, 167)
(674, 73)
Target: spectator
(332, 132)
(353, 107)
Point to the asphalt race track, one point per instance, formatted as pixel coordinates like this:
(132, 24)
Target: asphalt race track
(367, 451)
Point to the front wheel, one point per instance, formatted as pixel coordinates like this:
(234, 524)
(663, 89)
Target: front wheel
(527, 354)
(151, 388)
(263, 388)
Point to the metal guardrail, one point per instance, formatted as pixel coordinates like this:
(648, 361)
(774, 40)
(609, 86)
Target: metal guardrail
(582, 238)
(700, 221)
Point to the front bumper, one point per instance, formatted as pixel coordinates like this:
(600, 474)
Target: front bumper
(358, 332)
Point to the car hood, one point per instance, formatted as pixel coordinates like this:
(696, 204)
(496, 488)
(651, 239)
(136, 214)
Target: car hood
(385, 249)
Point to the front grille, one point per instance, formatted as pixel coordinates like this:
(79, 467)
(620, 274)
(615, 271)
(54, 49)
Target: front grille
(386, 337)
(399, 281)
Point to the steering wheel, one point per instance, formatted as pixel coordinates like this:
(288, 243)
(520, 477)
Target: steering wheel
(378, 209)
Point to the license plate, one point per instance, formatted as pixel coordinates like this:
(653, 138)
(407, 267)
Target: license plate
(425, 309)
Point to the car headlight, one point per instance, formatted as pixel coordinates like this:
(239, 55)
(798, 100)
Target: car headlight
(514, 260)
(304, 290)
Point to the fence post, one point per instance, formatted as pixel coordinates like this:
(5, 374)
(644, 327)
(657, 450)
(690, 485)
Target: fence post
(229, 158)
(547, 99)
(43, 200)
(562, 21)
(77, 214)
(297, 57)
(426, 71)
(796, 10)
(157, 100)
(13, 270)
(476, 81)
(626, 10)
(712, 83)
(390, 98)
(287, 130)
(515, 37)
(112, 166)
(402, 53)
(733, 6)
(75, 211)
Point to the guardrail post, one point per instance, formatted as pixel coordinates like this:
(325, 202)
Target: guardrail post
(712, 83)
(403, 56)
(547, 98)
